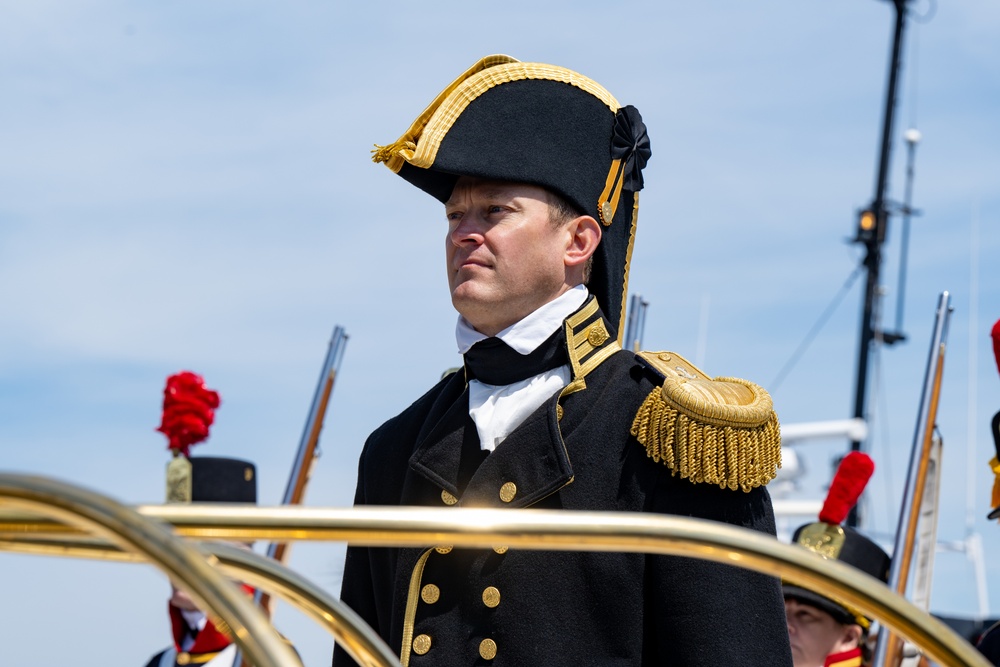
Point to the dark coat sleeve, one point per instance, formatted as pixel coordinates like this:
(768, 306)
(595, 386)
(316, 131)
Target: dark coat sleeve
(704, 613)
(989, 644)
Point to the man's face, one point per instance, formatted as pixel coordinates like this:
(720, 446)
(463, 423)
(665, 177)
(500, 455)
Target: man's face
(814, 634)
(505, 256)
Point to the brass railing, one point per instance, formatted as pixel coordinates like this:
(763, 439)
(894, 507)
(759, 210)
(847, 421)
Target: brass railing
(374, 526)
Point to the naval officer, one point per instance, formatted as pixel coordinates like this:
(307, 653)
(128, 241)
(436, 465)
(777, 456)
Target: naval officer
(538, 169)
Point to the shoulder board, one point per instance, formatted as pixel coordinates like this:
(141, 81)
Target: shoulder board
(720, 431)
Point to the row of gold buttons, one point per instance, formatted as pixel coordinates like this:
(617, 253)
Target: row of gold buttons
(507, 493)
(487, 647)
(431, 594)
(491, 595)
(447, 549)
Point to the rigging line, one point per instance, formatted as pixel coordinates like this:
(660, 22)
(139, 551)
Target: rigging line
(792, 360)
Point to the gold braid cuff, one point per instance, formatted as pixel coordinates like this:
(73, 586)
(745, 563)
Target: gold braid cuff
(722, 431)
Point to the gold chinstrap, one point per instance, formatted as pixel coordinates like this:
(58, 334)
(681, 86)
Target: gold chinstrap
(411, 527)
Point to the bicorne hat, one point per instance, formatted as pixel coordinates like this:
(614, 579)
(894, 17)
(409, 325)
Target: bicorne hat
(543, 125)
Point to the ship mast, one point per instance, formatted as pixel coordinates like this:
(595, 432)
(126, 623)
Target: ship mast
(871, 232)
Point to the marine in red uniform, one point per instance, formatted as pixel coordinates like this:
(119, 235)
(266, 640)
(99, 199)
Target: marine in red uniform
(989, 643)
(824, 633)
(196, 640)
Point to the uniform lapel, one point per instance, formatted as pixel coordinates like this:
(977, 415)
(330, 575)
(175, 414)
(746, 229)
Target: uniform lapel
(533, 459)
(529, 465)
(438, 453)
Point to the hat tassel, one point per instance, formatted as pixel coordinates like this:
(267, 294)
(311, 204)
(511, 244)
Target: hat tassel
(385, 153)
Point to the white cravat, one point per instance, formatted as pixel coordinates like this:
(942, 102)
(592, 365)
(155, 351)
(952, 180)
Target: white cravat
(196, 621)
(499, 409)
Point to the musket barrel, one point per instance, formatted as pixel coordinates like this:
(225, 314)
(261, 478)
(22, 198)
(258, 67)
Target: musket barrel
(887, 650)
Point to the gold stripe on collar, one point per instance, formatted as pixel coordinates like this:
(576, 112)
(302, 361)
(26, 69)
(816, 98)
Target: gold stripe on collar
(582, 315)
(599, 358)
(589, 344)
(590, 337)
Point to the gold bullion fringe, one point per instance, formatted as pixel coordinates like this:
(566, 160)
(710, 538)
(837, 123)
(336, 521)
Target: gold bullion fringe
(742, 457)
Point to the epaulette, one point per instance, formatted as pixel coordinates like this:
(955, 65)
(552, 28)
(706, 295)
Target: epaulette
(718, 431)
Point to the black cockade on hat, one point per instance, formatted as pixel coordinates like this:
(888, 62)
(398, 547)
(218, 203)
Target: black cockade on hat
(630, 144)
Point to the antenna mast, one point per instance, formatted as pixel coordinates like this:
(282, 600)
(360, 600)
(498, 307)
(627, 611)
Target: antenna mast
(871, 232)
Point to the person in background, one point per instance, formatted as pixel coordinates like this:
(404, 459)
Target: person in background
(822, 632)
(989, 642)
(196, 639)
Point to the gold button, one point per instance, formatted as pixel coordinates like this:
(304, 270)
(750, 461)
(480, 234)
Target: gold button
(500, 550)
(664, 356)
(183, 658)
(606, 213)
(443, 550)
(508, 491)
(447, 498)
(430, 593)
(488, 649)
(597, 335)
(491, 597)
(421, 644)
(559, 412)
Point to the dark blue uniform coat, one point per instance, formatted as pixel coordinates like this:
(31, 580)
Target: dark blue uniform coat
(521, 608)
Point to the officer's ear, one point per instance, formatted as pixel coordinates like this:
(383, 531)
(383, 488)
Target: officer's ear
(584, 237)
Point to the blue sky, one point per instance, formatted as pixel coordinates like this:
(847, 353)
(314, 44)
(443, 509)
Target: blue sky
(187, 186)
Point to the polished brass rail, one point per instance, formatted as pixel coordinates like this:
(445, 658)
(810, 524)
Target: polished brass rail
(553, 530)
(130, 531)
(263, 573)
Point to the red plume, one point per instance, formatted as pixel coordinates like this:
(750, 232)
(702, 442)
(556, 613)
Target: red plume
(188, 410)
(995, 333)
(853, 474)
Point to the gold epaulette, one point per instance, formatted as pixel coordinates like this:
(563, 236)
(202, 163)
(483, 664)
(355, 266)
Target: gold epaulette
(718, 431)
